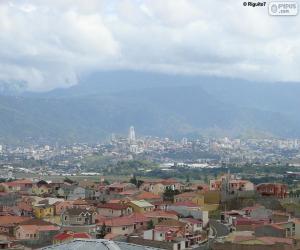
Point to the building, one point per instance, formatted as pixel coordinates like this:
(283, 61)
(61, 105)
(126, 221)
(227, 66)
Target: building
(131, 135)
(195, 197)
(17, 185)
(277, 190)
(35, 229)
(141, 206)
(43, 211)
(69, 236)
(78, 216)
(41, 188)
(99, 244)
(114, 210)
(230, 184)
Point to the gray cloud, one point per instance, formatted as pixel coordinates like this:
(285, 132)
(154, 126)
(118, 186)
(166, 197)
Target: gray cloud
(50, 43)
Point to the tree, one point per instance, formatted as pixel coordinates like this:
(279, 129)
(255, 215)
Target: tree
(102, 232)
(187, 178)
(139, 183)
(169, 194)
(106, 182)
(150, 224)
(133, 180)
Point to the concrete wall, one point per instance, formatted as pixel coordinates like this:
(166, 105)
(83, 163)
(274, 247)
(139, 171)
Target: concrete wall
(157, 244)
(269, 231)
(232, 246)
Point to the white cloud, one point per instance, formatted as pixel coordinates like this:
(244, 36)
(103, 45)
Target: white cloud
(49, 43)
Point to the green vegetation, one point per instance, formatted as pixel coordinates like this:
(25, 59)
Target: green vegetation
(215, 214)
(102, 232)
(150, 224)
(135, 181)
(169, 194)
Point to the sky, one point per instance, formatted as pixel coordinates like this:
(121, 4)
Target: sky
(51, 43)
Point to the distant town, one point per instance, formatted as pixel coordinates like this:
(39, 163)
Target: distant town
(152, 193)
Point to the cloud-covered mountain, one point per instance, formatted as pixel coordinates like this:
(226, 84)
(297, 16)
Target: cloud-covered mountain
(52, 43)
(156, 104)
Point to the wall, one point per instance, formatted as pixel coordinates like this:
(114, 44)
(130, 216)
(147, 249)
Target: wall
(231, 246)
(152, 243)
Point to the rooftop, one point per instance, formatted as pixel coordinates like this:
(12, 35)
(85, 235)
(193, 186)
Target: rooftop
(99, 244)
(142, 203)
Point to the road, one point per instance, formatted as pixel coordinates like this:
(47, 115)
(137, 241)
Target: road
(219, 228)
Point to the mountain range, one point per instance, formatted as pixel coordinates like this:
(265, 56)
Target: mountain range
(156, 104)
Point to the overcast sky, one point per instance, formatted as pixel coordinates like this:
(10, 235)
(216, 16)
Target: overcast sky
(50, 43)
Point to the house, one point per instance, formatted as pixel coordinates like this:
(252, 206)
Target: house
(114, 209)
(43, 210)
(78, 216)
(41, 188)
(69, 236)
(120, 187)
(277, 190)
(141, 206)
(124, 225)
(118, 226)
(73, 192)
(35, 229)
(162, 237)
(148, 196)
(160, 215)
(171, 231)
(193, 226)
(23, 209)
(230, 184)
(8, 200)
(8, 223)
(61, 206)
(190, 209)
(84, 204)
(159, 186)
(175, 224)
(195, 197)
(17, 185)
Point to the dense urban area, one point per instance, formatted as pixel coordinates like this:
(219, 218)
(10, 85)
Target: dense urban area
(138, 192)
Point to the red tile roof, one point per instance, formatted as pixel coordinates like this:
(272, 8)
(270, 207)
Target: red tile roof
(147, 196)
(114, 206)
(192, 221)
(67, 235)
(248, 221)
(12, 219)
(186, 204)
(124, 221)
